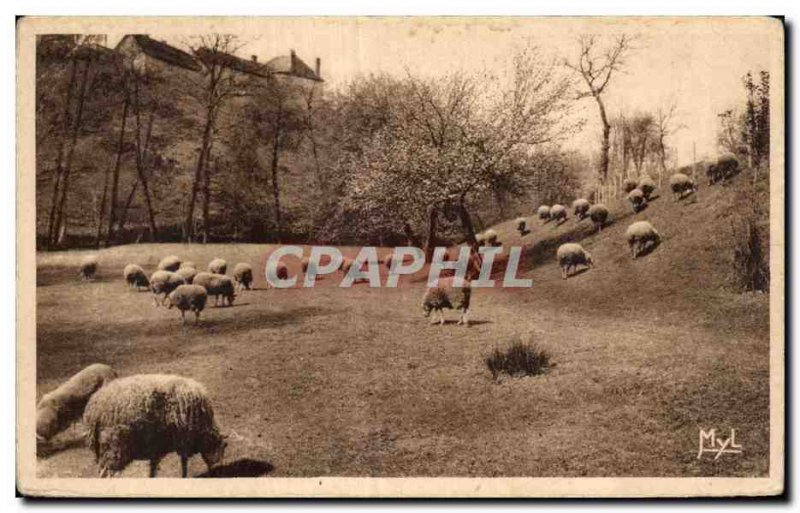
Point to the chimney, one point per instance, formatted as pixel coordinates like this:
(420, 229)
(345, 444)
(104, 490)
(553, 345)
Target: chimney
(254, 58)
(317, 68)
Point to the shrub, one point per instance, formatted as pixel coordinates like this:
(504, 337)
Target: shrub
(750, 242)
(520, 359)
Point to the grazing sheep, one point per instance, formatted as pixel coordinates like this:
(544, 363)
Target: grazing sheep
(164, 282)
(188, 297)
(88, 267)
(479, 239)
(712, 173)
(637, 199)
(727, 166)
(522, 226)
(598, 213)
(146, 417)
(629, 184)
(580, 208)
(680, 184)
(216, 285)
(558, 213)
(218, 266)
(169, 263)
(188, 264)
(639, 235)
(243, 275)
(544, 213)
(58, 409)
(188, 273)
(444, 295)
(489, 238)
(135, 276)
(647, 186)
(571, 255)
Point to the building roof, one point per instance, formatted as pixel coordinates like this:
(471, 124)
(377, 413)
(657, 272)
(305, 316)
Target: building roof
(233, 62)
(292, 65)
(164, 52)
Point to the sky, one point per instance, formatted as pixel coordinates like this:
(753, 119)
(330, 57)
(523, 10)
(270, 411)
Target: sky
(696, 62)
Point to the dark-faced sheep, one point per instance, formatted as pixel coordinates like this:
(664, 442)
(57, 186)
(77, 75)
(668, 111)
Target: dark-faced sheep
(637, 200)
(570, 256)
(57, 410)
(88, 267)
(558, 213)
(544, 213)
(598, 213)
(681, 184)
(490, 238)
(217, 285)
(218, 266)
(647, 186)
(580, 208)
(243, 275)
(641, 235)
(146, 417)
(164, 282)
(522, 226)
(629, 184)
(169, 263)
(135, 276)
(188, 298)
(444, 295)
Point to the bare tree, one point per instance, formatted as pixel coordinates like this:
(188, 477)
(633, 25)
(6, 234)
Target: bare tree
(665, 126)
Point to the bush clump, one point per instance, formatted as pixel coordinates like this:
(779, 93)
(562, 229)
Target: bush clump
(520, 359)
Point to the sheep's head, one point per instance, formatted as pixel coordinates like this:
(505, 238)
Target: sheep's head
(47, 423)
(213, 450)
(426, 308)
(589, 260)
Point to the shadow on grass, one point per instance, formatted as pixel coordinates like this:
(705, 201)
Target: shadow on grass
(455, 322)
(49, 448)
(648, 249)
(244, 467)
(578, 272)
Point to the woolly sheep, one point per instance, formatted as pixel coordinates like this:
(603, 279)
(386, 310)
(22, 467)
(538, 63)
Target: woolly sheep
(243, 275)
(187, 273)
(216, 285)
(490, 238)
(188, 263)
(598, 213)
(580, 208)
(629, 184)
(727, 166)
(444, 295)
(88, 267)
(680, 184)
(558, 213)
(647, 186)
(64, 405)
(164, 282)
(479, 238)
(637, 200)
(639, 235)
(571, 255)
(135, 276)
(544, 213)
(188, 297)
(169, 263)
(146, 417)
(522, 225)
(218, 266)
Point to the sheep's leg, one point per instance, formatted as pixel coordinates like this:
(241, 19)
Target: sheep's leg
(155, 300)
(464, 320)
(183, 317)
(184, 465)
(433, 317)
(153, 467)
(196, 316)
(441, 317)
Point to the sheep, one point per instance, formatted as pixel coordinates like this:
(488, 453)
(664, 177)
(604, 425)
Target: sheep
(188, 297)
(580, 208)
(216, 285)
(637, 199)
(444, 295)
(88, 267)
(639, 235)
(58, 409)
(727, 166)
(598, 213)
(188, 263)
(135, 276)
(490, 238)
(479, 239)
(169, 263)
(522, 226)
(187, 273)
(218, 266)
(243, 275)
(544, 213)
(572, 255)
(164, 282)
(558, 213)
(647, 186)
(680, 184)
(146, 417)
(629, 184)
(712, 173)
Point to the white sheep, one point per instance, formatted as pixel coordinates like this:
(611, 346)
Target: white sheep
(571, 255)
(188, 263)
(216, 285)
(88, 267)
(188, 297)
(681, 184)
(544, 213)
(580, 208)
(146, 417)
(135, 276)
(598, 213)
(169, 263)
(647, 186)
(490, 238)
(218, 266)
(558, 213)
(64, 405)
(629, 184)
(164, 282)
(637, 200)
(444, 295)
(243, 275)
(641, 234)
(187, 273)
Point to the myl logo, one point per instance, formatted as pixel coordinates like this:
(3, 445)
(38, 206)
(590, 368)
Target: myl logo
(717, 445)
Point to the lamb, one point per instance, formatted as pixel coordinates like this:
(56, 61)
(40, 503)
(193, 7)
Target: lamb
(680, 184)
(647, 186)
(135, 276)
(188, 297)
(641, 234)
(169, 263)
(598, 213)
(558, 213)
(444, 295)
(164, 282)
(243, 275)
(187, 273)
(218, 266)
(88, 267)
(580, 208)
(58, 409)
(572, 255)
(522, 226)
(216, 285)
(146, 417)
(544, 213)
(629, 184)
(637, 199)
(490, 238)
(727, 166)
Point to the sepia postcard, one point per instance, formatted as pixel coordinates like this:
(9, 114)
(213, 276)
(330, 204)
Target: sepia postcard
(400, 257)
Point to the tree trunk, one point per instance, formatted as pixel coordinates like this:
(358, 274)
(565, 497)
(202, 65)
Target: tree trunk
(604, 148)
(198, 173)
(469, 236)
(430, 242)
(123, 218)
(112, 214)
(206, 196)
(275, 187)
